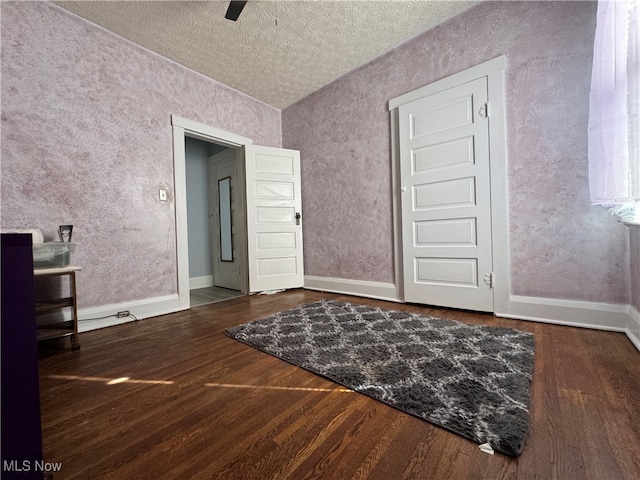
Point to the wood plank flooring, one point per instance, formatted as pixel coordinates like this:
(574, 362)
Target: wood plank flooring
(172, 397)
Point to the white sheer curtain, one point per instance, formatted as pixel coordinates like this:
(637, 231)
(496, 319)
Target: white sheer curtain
(614, 129)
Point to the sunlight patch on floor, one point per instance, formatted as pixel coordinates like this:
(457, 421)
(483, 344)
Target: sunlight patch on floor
(274, 387)
(111, 381)
(116, 381)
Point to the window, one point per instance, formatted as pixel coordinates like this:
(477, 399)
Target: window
(614, 105)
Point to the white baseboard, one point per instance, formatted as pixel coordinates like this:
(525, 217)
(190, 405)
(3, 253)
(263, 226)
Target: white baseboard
(600, 316)
(201, 282)
(358, 288)
(633, 330)
(150, 307)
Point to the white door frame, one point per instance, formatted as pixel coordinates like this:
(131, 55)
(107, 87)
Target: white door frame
(183, 127)
(494, 70)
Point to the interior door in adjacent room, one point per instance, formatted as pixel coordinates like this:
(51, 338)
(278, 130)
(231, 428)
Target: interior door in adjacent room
(227, 220)
(274, 218)
(446, 198)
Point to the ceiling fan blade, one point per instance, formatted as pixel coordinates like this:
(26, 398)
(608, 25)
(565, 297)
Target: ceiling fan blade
(234, 10)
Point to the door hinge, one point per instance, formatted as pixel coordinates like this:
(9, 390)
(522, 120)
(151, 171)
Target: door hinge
(489, 279)
(484, 110)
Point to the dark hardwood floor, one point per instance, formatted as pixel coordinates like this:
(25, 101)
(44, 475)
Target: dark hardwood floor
(172, 397)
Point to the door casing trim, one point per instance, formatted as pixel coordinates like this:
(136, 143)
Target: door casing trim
(184, 127)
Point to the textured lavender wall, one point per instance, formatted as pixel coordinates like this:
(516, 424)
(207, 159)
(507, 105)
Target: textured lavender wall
(560, 246)
(87, 140)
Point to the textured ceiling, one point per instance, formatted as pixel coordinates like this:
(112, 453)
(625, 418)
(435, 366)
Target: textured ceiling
(278, 51)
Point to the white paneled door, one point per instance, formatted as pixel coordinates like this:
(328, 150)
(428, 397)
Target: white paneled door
(274, 218)
(227, 271)
(446, 198)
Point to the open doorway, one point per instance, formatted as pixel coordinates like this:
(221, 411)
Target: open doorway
(213, 212)
(213, 139)
(271, 258)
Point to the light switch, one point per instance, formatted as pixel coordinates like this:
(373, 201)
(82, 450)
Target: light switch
(162, 193)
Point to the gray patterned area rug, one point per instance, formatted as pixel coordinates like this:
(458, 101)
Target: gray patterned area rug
(470, 379)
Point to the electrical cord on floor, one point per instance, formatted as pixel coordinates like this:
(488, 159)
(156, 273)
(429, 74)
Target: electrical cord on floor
(108, 316)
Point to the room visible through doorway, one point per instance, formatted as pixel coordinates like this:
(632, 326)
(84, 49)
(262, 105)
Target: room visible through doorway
(204, 227)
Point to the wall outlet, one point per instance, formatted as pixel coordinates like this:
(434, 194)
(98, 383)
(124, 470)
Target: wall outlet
(122, 314)
(162, 195)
